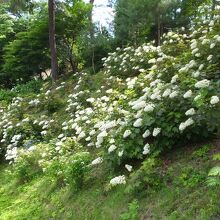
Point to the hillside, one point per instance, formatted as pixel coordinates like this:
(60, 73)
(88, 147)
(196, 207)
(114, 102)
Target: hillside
(180, 193)
(138, 140)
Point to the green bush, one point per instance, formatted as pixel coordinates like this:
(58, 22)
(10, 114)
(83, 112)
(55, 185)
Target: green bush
(32, 86)
(7, 95)
(53, 104)
(147, 177)
(76, 170)
(26, 166)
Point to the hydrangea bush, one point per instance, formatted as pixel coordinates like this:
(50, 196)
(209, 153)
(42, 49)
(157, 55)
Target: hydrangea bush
(151, 98)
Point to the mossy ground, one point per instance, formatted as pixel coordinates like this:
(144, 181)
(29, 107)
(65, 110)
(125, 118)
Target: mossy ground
(184, 194)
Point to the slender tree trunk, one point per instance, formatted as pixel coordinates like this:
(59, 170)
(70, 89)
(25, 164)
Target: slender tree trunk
(72, 63)
(90, 20)
(92, 35)
(52, 40)
(158, 29)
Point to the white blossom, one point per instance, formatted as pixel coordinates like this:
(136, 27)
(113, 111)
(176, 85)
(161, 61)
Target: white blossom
(118, 180)
(202, 84)
(149, 108)
(191, 111)
(138, 123)
(97, 161)
(146, 149)
(186, 124)
(112, 148)
(128, 167)
(146, 134)
(156, 131)
(188, 94)
(127, 133)
(214, 100)
(120, 153)
(173, 94)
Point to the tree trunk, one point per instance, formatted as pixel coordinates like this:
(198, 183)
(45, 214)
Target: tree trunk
(52, 40)
(90, 20)
(72, 63)
(158, 30)
(92, 35)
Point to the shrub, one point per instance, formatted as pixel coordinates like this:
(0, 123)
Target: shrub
(7, 95)
(53, 104)
(26, 166)
(148, 176)
(32, 86)
(76, 169)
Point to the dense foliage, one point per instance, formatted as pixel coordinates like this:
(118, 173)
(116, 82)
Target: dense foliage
(171, 97)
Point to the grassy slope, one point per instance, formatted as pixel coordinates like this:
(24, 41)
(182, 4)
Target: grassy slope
(183, 196)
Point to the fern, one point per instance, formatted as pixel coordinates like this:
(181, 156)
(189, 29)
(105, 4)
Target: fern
(214, 177)
(215, 171)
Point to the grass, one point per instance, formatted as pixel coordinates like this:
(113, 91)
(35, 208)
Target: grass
(184, 194)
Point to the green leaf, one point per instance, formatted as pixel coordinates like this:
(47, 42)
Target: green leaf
(215, 171)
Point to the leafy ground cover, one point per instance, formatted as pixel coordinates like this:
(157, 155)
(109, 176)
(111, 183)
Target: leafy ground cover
(183, 193)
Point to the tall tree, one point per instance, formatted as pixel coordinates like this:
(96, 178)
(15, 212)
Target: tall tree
(90, 19)
(92, 34)
(22, 5)
(72, 21)
(52, 40)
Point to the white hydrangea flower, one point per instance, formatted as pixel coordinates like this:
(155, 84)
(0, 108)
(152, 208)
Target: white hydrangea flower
(188, 94)
(43, 132)
(186, 124)
(60, 136)
(11, 154)
(152, 61)
(173, 94)
(146, 149)
(118, 180)
(128, 167)
(196, 74)
(120, 153)
(88, 138)
(138, 123)
(214, 100)
(112, 141)
(209, 57)
(156, 131)
(149, 108)
(190, 112)
(203, 83)
(97, 161)
(91, 100)
(166, 93)
(174, 79)
(212, 45)
(146, 134)
(127, 133)
(112, 148)
(139, 105)
(201, 66)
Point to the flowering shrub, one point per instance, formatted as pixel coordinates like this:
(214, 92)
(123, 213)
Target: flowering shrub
(26, 166)
(151, 98)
